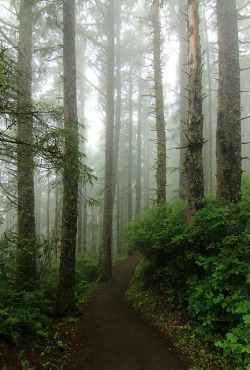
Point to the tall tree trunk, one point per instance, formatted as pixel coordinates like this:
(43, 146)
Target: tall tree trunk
(93, 231)
(118, 203)
(210, 127)
(228, 138)
(117, 128)
(106, 265)
(194, 162)
(38, 198)
(81, 184)
(147, 165)
(85, 220)
(138, 164)
(130, 142)
(66, 286)
(25, 165)
(48, 208)
(159, 109)
(183, 100)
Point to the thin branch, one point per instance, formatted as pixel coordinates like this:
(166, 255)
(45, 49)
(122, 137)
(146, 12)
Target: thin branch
(95, 87)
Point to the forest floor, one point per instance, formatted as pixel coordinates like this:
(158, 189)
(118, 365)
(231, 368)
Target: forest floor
(109, 335)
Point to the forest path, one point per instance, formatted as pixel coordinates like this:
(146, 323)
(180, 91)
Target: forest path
(111, 336)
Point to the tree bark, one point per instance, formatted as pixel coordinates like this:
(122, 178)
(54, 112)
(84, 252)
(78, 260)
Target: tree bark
(117, 128)
(25, 164)
(48, 207)
(159, 109)
(138, 163)
(130, 147)
(106, 265)
(183, 99)
(228, 135)
(210, 123)
(66, 286)
(194, 162)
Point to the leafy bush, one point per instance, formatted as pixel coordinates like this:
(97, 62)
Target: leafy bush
(218, 295)
(152, 233)
(87, 272)
(23, 312)
(25, 307)
(203, 266)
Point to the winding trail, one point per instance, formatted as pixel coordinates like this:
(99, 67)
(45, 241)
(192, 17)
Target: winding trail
(111, 336)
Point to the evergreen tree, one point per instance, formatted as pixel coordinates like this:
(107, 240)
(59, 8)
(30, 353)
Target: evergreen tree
(194, 163)
(25, 164)
(159, 107)
(106, 266)
(228, 136)
(66, 285)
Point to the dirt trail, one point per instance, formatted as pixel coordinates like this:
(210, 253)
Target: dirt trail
(110, 336)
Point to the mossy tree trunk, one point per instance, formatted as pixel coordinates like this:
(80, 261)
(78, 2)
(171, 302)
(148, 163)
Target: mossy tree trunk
(106, 265)
(159, 108)
(25, 165)
(194, 162)
(183, 97)
(209, 113)
(66, 285)
(228, 136)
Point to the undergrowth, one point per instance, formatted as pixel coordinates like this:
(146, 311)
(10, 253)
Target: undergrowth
(201, 268)
(28, 309)
(174, 323)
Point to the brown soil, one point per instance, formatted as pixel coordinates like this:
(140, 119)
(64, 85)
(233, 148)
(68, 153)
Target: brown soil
(108, 336)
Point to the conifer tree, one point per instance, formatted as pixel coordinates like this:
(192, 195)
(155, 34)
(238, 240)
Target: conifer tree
(159, 108)
(66, 285)
(25, 164)
(194, 162)
(106, 266)
(228, 135)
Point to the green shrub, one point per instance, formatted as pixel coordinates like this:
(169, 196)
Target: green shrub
(218, 295)
(87, 273)
(25, 308)
(23, 312)
(203, 266)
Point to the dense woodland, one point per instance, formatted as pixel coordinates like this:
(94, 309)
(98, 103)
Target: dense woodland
(125, 126)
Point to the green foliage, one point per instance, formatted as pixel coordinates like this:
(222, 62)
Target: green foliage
(23, 312)
(24, 308)
(154, 228)
(87, 272)
(202, 266)
(28, 308)
(157, 234)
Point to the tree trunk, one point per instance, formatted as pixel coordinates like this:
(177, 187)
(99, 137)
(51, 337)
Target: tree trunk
(82, 185)
(25, 165)
(106, 265)
(210, 127)
(130, 142)
(138, 164)
(84, 227)
(228, 136)
(194, 162)
(159, 109)
(118, 97)
(48, 208)
(66, 285)
(38, 202)
(147, 165)
(118, 202)
(183, 99)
